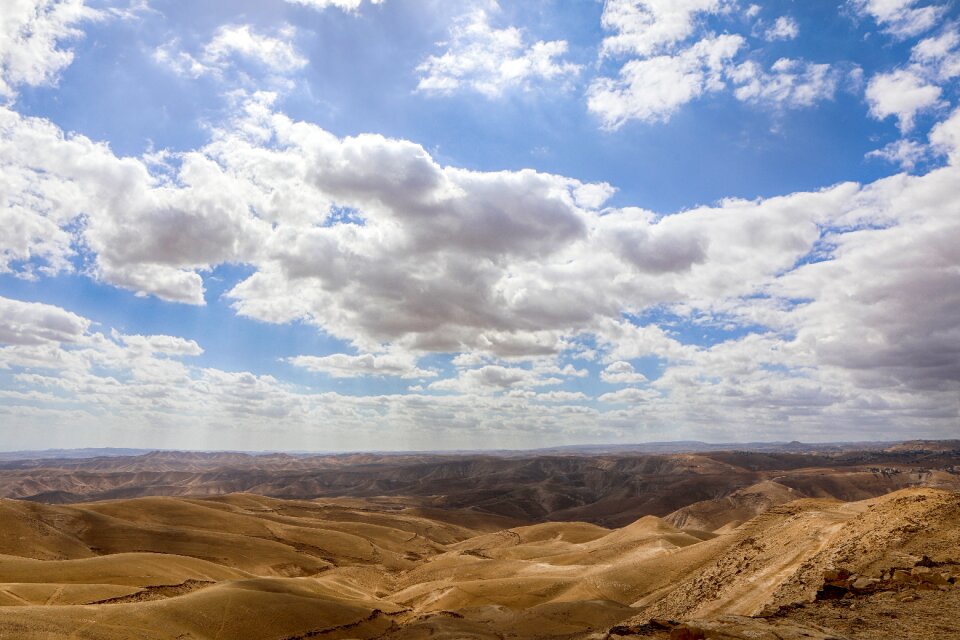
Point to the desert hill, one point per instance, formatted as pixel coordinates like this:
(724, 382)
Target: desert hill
(611, 490)
(249, 566)
(887, 567)
(282, 547)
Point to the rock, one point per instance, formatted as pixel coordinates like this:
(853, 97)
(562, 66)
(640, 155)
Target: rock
(831, 592)
(655, 624)
(864, 584)
(900, 575)
(660, 623)
(935, 578)
(835, 575)
(743, 628)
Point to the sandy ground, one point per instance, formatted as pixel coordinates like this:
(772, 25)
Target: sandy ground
(246, 566)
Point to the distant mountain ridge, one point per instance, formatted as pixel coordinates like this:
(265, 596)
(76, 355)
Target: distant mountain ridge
(673, 446)
(610, 489)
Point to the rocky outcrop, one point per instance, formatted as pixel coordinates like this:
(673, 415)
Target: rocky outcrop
(925, 574)
(725, 628)
(743, 628)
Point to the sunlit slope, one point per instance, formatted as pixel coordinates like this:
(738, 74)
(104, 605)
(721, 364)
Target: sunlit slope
(780, 556)
(246, 566)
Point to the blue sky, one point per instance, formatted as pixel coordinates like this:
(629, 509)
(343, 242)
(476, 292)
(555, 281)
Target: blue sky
(569, 222)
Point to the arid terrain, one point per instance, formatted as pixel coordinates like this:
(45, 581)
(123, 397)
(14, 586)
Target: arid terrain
(850, 543)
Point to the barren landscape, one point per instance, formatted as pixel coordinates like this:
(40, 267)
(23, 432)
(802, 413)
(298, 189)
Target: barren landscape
(479, 319)
(717, 544)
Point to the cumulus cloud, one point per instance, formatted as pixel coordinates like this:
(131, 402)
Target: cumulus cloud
(491, 378)
(32, 33)
(549, 396)
(490, 61)
(32, 323)
(160, 344)
(621, 372)
(517, 268)
(644, 27)
(320, 5)
(899, 18)
(783, 28)
(342, 365)
(903, 152)
(630, 395)
(231, 44)
(903, 94)
(652, 89)
(147, 236)
(945, 138)
(898, 331)
(666, 70)
(938, 57)
(789, 83)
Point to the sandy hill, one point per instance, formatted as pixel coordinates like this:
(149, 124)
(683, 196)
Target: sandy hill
(248, 566)
(611, 490)
(893, 560)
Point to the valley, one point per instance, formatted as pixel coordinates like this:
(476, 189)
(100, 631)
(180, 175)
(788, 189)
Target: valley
(855, 544)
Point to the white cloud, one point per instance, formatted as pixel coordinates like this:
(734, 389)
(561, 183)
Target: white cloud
(33, 323)
(784, 28)
(622, 372)
(789, 83)
(900, 18)
(945, 137)
(277, 54)
(342, 365)
(652, 89)
(233, 43)
(624, 340)
(31, 35)
(490, 61)
(905, 153)
(938, 57)
(147, 236)
(515, 265)
(160, 344)
(903, 94)
(646, 27)
(171, 55)
(630, 395)
(492, 378)
(551, 396)
(667, 72)
(320, 5)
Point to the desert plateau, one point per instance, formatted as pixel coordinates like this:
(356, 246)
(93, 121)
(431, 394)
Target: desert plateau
(714, 544)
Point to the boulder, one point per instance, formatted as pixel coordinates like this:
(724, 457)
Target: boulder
(864, 584)
(900, 575)
(937, 579)
(835, 575)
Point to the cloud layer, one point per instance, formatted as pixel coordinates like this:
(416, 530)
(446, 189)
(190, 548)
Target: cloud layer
(514, 304)
(851, 290)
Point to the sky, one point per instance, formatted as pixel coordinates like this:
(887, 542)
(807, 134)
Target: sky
(341, 225)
